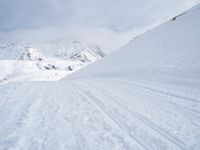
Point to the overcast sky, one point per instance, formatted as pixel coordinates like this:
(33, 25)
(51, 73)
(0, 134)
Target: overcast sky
(40, 20)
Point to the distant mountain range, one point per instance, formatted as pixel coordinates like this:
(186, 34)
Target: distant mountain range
(57, 57)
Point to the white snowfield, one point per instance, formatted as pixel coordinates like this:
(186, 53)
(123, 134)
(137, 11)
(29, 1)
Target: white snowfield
(145, 96)
(32, 62)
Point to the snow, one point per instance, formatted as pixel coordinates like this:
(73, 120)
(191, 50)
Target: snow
(143, 96)
(171, 48)
(30, 62)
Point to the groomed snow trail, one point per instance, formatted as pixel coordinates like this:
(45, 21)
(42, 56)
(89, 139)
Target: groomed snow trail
(99, 113)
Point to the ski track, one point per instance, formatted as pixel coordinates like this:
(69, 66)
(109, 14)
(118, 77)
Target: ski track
(138, 117)
(178, 101)
(121, 126)
(57, 120)
(163, 133)
(155, 91)
(87, 114)
(185, 104)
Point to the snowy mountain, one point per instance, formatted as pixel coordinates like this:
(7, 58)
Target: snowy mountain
(151, 86)
(171, 48)
(32, 62)
(62, 50)
(144, 96)
(32, 55)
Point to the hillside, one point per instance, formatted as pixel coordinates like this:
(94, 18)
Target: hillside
(44, 61)
(144, 96)
(170, 49)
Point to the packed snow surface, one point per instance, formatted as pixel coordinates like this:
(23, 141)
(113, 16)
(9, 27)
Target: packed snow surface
(145, 96)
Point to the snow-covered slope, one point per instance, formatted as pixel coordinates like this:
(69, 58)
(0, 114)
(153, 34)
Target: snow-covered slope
(169, 49)
(67, 49)
(61, 50)
(144, 96)
(155, 79)
(32, 62)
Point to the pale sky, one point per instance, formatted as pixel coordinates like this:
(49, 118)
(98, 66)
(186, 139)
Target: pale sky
(104, 22)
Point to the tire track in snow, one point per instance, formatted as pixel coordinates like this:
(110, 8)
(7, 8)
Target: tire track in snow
(88, 106)
(13, 114)
(142, 119)
(146, 88)
(193, 113)
(104, 109)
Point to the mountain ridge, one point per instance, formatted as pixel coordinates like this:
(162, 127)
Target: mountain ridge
(26, 59)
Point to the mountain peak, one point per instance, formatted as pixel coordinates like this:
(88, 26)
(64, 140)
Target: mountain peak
(57, 58)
